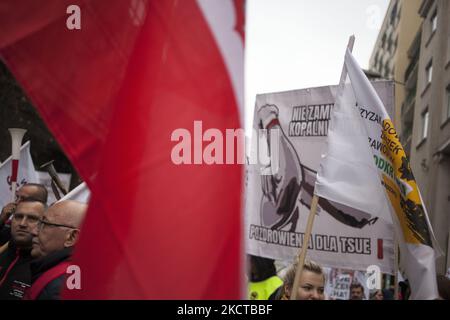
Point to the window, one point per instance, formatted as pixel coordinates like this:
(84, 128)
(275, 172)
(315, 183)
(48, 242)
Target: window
(425, 118)
(434, 22)
(393, 14)
(429, 72)
(380, 65)
(448, 51)
(386, 71)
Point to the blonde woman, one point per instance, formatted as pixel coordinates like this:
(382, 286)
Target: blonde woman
(312, 282)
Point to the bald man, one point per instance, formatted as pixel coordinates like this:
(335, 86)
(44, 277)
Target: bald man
(53, 242)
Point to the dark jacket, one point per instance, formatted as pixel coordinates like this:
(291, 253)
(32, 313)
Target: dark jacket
(15, 275)
(53, 289)
(5, 233)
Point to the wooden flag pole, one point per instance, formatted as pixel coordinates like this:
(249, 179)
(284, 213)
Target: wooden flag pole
(314, 202)
(301, 260)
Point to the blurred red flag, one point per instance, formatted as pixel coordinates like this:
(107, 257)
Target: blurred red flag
(112, 93)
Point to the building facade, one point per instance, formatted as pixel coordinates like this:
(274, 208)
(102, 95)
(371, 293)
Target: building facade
(419, 63)
(410, 89)
(430, 144)
(390, 55)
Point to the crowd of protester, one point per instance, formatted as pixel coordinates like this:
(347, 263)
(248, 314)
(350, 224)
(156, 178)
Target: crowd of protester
(36, 244)
(265, 283)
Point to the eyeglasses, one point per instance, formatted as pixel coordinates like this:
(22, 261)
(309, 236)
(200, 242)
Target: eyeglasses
(32, 219)
(43, 223)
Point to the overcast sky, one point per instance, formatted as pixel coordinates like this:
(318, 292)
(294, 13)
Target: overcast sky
(296, 44)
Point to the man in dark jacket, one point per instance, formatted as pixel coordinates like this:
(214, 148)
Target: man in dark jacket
(29, 191)
(15, 275)
(53, 241)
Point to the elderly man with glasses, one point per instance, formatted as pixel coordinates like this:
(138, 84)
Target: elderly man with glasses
(15, 275)
(52, 244)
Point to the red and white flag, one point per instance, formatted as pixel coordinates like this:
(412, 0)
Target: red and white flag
(112, 92)
(26, 174)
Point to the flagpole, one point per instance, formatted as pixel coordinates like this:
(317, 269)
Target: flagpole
(351, 42)
(396, 268)
(314, 202)
(301, 261)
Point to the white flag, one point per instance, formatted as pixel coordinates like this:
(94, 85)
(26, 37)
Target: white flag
(46, 180)
(26, 174)
(365, 167)
(80, 193)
